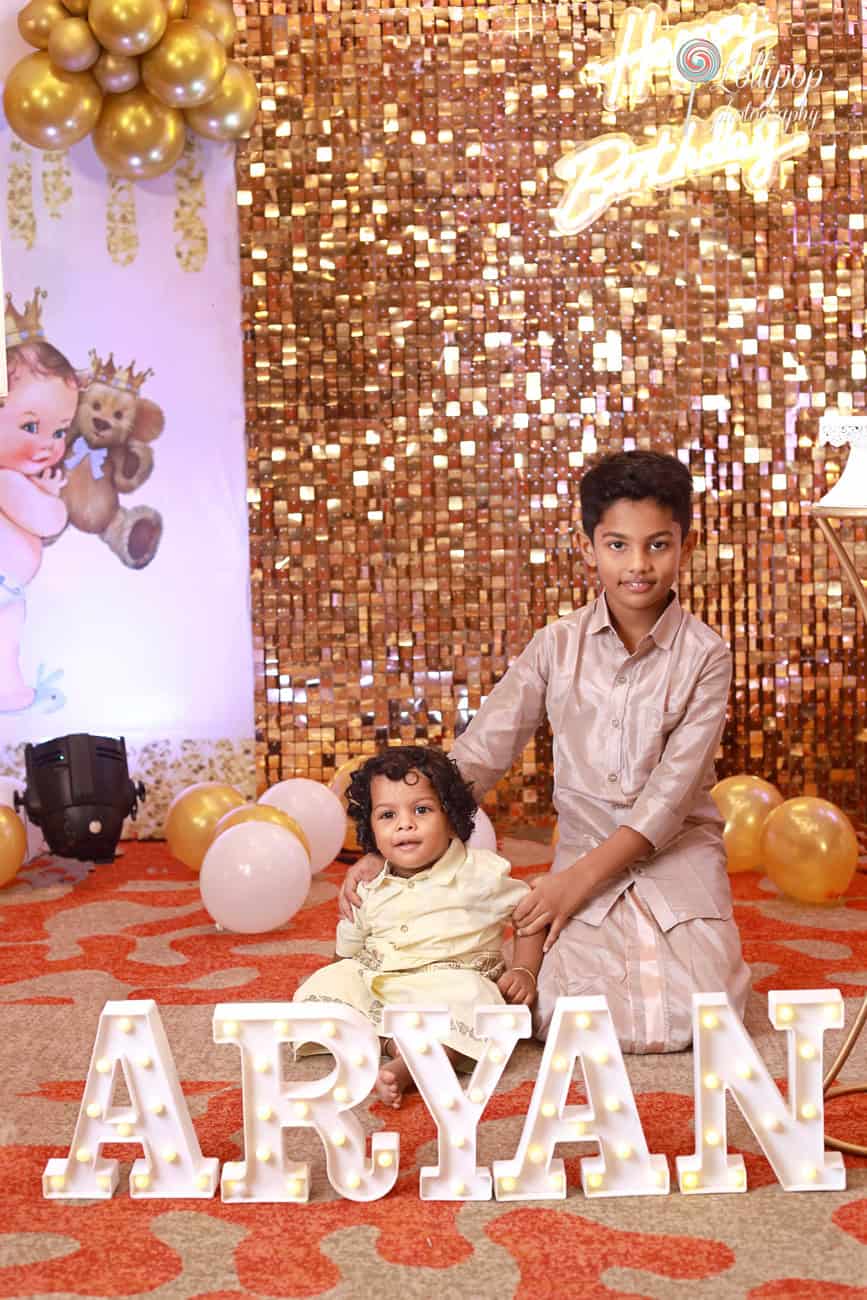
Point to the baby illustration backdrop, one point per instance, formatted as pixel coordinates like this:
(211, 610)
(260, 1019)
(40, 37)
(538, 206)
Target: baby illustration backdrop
(71, 443)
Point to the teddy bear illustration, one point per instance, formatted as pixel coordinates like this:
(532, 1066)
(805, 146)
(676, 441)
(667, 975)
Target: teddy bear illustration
(109, 454)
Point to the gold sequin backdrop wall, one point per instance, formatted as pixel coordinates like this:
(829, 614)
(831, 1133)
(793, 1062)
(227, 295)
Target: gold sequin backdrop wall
(429, 366)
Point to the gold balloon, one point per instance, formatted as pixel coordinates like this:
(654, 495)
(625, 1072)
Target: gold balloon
(233, 109)
(116, 72)
(809, 849)
(47, 108)
(744, 801)
(72, 46)
(137, 137)
(192, 816)
(339, 783)
(78, 7)
(37, 19)
(128, 26)
(176, 8)
(217, 16)
(13, 843)
(261, 812)
(187, 66)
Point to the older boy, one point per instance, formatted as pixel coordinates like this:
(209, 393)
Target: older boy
(637, 901)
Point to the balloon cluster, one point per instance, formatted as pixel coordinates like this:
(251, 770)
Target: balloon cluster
(135, 72)
(806, 845)
(255, 860)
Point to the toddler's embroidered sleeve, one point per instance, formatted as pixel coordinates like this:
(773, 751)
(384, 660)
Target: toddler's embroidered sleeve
(350, 936)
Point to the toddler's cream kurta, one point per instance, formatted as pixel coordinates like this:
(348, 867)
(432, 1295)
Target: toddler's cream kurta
(433, 939)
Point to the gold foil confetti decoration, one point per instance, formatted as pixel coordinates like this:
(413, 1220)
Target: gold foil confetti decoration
(20, 216)
(56, 182)
(121, 229)
(191, 248)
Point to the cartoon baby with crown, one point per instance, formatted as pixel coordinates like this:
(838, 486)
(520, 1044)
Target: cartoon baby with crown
(34, 422)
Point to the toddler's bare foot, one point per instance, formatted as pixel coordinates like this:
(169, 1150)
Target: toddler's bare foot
(392, 1082)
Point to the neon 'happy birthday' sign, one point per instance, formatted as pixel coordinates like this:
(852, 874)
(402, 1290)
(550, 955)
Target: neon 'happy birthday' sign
(614, 166)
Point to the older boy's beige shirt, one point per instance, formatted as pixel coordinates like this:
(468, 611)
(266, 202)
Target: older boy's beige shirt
(634, 742)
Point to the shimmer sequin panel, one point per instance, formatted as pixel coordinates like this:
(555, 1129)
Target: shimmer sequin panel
(457, 296)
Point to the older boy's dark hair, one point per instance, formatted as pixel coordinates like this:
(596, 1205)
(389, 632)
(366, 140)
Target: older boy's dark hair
(636, 476)
(396, 764)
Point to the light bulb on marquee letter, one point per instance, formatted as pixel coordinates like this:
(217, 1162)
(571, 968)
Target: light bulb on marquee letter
(582, 1027)
(131, 1046)
(271, 1105)
(791, 1133)
(418, 1033)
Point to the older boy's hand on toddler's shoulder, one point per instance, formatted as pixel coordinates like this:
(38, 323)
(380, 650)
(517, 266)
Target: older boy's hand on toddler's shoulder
(518, 987)
(364, 869)
(551, 901)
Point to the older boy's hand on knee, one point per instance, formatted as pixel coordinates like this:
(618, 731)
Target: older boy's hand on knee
(364, 869)
(551, 902)
(518, 987)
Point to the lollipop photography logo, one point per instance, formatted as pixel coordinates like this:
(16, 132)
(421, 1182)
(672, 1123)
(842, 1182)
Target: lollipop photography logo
(699, 61)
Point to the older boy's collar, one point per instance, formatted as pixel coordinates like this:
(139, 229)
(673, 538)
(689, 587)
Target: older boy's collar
(600, 619)
(663, 631)
(665, 628)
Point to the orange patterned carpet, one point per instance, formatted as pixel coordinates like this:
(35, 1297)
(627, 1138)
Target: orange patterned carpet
(137, 930)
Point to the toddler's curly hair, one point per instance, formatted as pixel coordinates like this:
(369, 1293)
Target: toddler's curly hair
(398, 764)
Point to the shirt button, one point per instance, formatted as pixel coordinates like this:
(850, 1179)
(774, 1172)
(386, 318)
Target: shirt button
(615, 722)
(404, 928)
(612, 776)
(619, 681)
(410, 884)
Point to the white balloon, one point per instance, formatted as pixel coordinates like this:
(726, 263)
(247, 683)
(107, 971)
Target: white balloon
(36, 845)
(254, 877)
(484, 836)
(318, 812)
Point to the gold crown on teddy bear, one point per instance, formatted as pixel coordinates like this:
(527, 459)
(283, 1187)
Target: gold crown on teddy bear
(106, 372)
(24, 326)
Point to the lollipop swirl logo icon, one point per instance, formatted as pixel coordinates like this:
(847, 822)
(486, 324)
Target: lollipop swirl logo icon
(697, 61)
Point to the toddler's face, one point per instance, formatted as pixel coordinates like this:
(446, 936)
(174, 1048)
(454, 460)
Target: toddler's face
(409, 824)
(34, 419)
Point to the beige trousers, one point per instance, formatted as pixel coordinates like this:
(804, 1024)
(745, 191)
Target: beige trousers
(647, 975)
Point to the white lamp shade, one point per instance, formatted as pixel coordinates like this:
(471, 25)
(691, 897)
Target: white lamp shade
(849, 493)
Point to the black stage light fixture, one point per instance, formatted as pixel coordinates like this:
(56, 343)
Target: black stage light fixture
(78, 793)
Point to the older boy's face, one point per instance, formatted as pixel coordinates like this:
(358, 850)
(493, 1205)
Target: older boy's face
(637, 550)
(409, 824)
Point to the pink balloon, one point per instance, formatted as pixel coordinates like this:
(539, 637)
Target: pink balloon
(484, 836)
(254, 877)
(318, 812)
